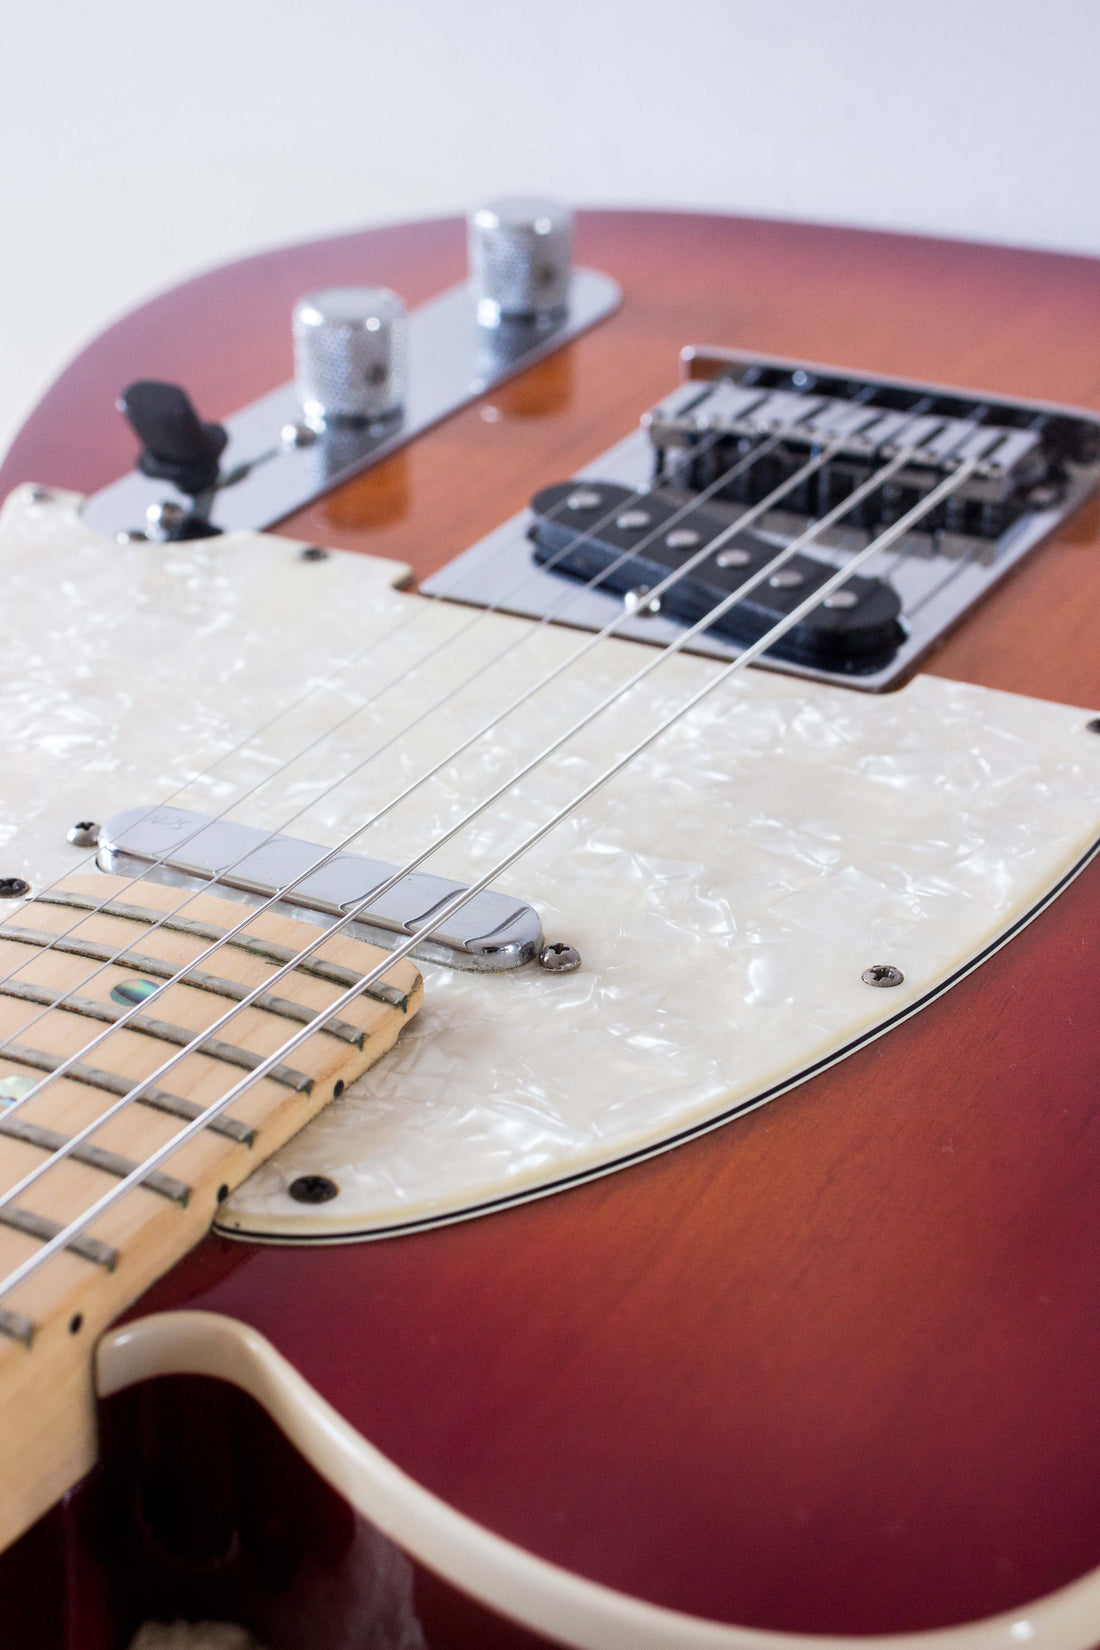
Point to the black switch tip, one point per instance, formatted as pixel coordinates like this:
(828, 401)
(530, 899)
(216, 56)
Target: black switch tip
(176, 445)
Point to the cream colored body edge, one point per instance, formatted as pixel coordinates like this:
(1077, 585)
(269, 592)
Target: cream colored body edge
(543, 1597)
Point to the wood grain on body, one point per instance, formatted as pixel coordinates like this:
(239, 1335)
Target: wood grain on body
(47, 1383)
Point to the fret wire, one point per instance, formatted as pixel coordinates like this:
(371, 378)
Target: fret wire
(412, 618)
(328, 855)
(334, 973)
(51, 1231)
(16, 1326)
(17, 1054)
(92, 1157)
(889, 536)
(147, 1025)
(210, 983)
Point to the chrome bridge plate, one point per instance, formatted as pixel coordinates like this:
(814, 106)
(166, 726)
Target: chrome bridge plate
(491, 932)
(937, 575)
(451, 361)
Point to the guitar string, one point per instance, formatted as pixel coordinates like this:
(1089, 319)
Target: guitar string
(880, 478)
(180, 976)
(108, 1199)
(326, 856)
(417, 614)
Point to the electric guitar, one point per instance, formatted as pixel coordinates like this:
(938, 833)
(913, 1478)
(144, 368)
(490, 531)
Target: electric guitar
(548, 951)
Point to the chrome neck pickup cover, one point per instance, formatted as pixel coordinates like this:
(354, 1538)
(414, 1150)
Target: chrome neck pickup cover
(737, 430)
(492, 932)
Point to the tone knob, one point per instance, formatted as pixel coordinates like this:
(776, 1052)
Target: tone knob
(521, 258)
(349, 354)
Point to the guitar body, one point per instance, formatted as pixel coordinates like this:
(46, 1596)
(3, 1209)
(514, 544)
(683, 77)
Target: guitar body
(832, 1369)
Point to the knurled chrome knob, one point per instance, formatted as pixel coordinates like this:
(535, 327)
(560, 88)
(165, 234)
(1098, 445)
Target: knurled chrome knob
(521, 258)
(349, 354)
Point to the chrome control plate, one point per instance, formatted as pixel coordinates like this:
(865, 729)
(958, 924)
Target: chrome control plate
(451, 360)
(175, 845)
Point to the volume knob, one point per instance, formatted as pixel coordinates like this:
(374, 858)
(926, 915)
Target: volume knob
(349, 354)
(521, 258)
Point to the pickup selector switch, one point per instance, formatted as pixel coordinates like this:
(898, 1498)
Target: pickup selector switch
(349, 355)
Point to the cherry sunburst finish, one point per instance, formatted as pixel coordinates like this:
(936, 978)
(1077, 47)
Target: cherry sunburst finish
(831, 1370)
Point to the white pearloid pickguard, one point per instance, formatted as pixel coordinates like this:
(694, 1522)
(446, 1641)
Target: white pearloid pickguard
(726, 892)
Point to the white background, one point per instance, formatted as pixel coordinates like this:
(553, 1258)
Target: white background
(141, 141)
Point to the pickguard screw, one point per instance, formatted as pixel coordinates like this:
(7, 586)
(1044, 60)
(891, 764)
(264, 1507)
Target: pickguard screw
(13, 887)
(313, 552)
(166, 516)
(1093, 726)
(39, 495)
(131, 535)
(313, 1188)
(84, 834)
(559, 958)
(882, 974)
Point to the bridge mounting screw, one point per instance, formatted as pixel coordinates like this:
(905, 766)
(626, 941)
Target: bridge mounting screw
(559, 958)
(313, 1188)
(882, 974)
(84, 834)
(13, 887)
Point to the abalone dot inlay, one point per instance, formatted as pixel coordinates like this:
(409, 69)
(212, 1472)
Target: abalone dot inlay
(132, 992)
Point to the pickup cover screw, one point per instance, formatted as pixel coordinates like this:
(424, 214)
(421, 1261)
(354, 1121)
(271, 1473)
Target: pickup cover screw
(559, 958)
(13, 887)
(882, 974)
(84, 834)
(635, 601)
(313, 1188)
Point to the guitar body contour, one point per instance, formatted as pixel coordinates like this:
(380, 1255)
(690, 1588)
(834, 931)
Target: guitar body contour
(832, 1369)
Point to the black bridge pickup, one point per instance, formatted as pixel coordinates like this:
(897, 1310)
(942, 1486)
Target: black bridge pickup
(597, 529)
